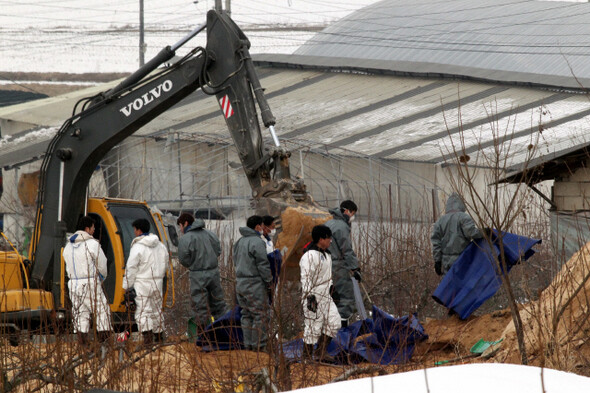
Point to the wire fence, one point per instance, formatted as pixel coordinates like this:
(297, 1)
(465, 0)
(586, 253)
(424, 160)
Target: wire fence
(201, 173)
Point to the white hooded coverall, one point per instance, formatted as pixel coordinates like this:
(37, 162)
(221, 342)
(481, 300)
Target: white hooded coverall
(316, 279)
(145, 271)
(85, 264)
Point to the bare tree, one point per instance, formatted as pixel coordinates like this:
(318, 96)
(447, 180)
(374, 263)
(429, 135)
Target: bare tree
(494, 204)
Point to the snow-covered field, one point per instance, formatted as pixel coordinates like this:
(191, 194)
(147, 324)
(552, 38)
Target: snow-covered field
(76, 53)
(102, 36)
(78, 36)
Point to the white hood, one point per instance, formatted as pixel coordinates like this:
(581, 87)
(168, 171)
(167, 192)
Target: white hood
(79, 237)
(149, 240)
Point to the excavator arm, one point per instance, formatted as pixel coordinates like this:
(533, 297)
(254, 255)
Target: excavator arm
(224, 69)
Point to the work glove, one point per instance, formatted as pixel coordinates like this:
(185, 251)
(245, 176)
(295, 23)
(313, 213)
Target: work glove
(438, 267)
(129, 299)
(356, 273)
(312, 303)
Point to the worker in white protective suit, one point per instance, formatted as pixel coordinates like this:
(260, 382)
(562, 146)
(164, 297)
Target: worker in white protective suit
(144, 272)
(86, 267)
(321, 317)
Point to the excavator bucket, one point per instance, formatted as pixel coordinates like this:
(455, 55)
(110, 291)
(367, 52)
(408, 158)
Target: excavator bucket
(296, 225)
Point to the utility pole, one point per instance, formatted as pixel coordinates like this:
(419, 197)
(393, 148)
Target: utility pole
(218, 6)
(142, 45)
(228, 7)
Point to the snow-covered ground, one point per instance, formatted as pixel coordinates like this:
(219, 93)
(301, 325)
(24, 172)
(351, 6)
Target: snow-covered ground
(116, 52)
(78, 36)
(468, 378)
(102, 36)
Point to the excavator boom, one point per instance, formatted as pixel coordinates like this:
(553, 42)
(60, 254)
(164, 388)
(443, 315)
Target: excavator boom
(224, 69)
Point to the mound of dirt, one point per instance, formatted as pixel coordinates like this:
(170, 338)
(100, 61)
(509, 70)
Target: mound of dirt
(557, 326)
(452, 338)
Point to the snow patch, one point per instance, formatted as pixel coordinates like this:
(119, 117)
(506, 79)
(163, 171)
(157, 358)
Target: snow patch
(42, 133)
(467, 378)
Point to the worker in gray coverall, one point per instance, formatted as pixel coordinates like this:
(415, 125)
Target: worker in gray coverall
(344, 261)
(198, 250)
(253, 283)
(451, 234)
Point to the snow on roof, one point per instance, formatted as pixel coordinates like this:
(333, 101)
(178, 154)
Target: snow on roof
(399, 115)
(383, 116)
(25, 147)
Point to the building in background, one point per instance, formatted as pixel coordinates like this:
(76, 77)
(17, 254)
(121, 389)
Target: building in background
(380, 107)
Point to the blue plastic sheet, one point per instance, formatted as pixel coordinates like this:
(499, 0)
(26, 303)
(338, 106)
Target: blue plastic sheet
(276, 260)
(474, 277)
(381, 339)
(223, 334)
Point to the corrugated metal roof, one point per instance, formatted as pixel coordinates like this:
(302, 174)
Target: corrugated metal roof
(503, 40)
(51, 111)
(388, 117)
(386, 100)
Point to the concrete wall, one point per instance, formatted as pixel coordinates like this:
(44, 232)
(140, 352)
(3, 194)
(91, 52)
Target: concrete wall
(570, 220)
(9, 127)
(571, 192)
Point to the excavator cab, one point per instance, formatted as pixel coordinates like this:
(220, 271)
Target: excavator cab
(26, 308)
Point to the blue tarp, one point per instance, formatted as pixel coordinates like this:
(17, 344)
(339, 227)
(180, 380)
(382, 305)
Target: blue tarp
(381, 339)
(223, 334)
(276, 260)
(474, 278)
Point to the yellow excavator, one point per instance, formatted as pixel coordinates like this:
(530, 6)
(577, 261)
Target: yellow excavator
(32, 292)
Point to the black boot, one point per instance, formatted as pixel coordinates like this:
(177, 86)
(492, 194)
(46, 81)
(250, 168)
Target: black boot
(307, 351)
(322, 349)
(83, 339)
(148, 338)
(104, 337)
(160, 337)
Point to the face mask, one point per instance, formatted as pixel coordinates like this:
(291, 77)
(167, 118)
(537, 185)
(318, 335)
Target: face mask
(272, 232)
(351, 219)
